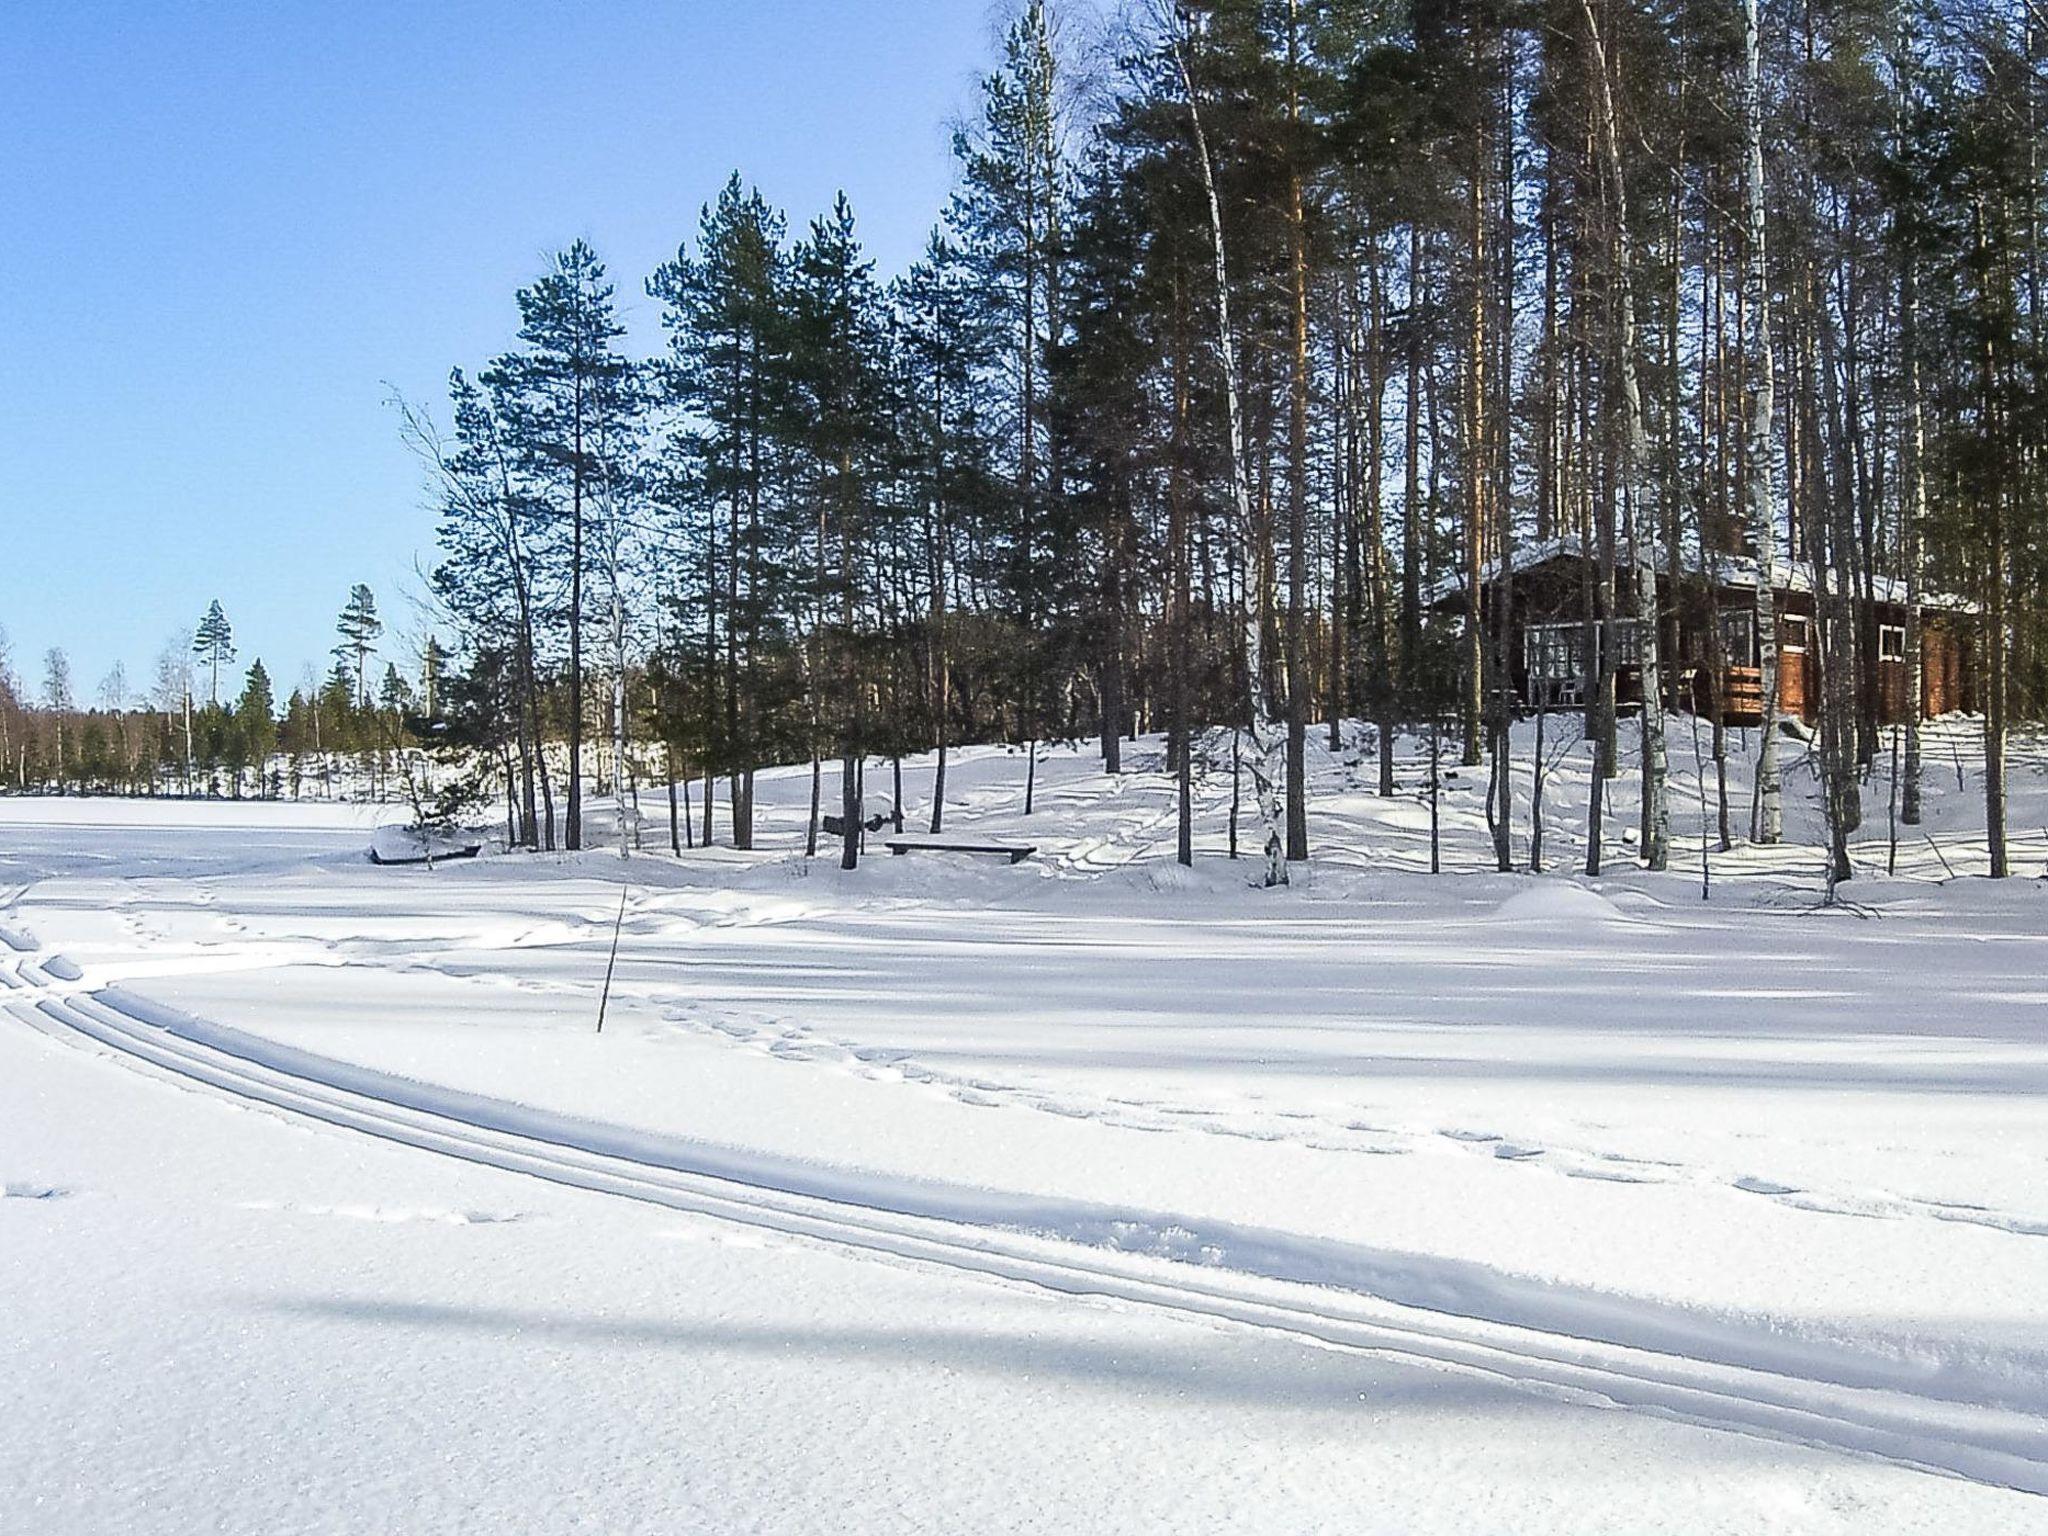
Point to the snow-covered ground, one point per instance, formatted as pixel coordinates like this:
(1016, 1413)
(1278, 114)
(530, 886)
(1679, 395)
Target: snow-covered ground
(1087, 1192)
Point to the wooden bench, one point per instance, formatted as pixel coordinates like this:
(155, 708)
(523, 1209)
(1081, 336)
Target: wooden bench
(1016, 853)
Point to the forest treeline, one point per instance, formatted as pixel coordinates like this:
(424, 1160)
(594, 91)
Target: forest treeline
(194, 729)
(1255, 335)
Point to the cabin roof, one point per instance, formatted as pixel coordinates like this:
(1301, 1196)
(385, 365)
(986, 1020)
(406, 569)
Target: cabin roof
(1727, 570)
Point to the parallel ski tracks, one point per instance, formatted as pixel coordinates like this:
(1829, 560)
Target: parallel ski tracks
(1981, 1443)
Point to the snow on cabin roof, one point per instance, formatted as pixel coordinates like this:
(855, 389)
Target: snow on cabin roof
(1728, 570)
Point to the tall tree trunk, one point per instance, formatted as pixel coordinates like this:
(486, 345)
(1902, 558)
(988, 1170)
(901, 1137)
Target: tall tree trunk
(1411, 466)
(1635, 460)
(940, 645)
(1385, 695)
(852, 745)
(1179, 558)
(1997, 567)
(1475, 469)
(1115, 707)
(1266, 765)
(675, 820)
(1298, 687)
(573, 832)
(1756, 458)
(1913, 479)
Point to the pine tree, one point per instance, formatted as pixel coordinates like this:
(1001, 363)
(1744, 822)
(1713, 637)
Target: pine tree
(728, 373)
(491, 522)
(841, 372)
(359, 628)
(214, 644)
(1012, 214)
(947, 348)
(567, 400)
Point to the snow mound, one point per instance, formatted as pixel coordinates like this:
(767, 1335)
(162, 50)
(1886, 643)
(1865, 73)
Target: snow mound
(1161, 876)
(62, 968)
(1558, 904)
(1173, 877)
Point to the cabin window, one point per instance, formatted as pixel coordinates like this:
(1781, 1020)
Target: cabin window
(1628, 643)
(1792, 633)
(1891, 642)
(1738, 636)
(1554, 653)
(1556, 656)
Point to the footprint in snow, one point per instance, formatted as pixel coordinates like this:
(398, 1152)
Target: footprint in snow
(62, 968)
(1750, 1185)
(26, 1190)
(1609, 1176)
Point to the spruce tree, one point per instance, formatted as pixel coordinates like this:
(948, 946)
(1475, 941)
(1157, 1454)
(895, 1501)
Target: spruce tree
(255, 725)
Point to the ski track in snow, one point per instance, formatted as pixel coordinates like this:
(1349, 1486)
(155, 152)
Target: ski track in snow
(788, 1040)
(1583, 1346)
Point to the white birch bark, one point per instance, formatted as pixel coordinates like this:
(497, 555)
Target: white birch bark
(1914, 513)
(1756, 345)
(1268, 748)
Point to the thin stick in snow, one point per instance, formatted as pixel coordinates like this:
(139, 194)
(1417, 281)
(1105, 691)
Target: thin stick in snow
(1699, 768)
(1940, 855)
(604, 998)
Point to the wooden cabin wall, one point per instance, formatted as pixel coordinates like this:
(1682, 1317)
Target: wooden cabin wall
(1891, 691)
(1798, 682)
(1945, 681)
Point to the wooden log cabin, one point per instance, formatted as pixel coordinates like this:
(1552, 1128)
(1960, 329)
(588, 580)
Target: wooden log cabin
(1554, 659)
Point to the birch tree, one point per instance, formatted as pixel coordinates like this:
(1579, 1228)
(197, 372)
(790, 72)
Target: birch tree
(1767, 823)
(1267, 761)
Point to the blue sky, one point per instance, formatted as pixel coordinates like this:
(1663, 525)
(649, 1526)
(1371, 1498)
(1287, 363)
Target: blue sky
(227, 226)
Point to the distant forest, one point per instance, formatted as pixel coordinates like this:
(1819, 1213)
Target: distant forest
(1255, 342)
(199, 726)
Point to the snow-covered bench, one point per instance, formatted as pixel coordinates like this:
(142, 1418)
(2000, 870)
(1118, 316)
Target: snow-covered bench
(1016, 853)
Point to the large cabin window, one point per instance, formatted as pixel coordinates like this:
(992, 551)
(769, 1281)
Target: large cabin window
(1555, 655)
(1891, 642)
(1738, 636)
